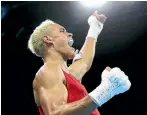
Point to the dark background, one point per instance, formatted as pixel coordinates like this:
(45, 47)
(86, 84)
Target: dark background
(122, 43)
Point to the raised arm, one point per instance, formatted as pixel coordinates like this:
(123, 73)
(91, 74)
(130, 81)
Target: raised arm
(81, 66)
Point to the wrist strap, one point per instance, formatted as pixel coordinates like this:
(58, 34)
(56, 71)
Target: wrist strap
(94, 30)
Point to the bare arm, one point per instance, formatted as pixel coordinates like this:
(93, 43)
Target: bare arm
(81, 66)
(82, 107)
(88, 50)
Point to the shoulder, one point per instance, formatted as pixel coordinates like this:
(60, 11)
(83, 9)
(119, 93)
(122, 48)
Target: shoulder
(47, 76)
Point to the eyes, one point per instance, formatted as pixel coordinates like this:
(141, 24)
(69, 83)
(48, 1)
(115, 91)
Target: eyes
(62, 30)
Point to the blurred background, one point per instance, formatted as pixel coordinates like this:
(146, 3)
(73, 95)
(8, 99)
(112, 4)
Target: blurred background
(122, 43)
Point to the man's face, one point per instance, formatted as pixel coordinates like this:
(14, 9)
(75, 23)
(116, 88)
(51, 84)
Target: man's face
(61, 41)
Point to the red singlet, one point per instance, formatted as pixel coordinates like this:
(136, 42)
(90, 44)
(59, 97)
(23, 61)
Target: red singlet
(76, 91)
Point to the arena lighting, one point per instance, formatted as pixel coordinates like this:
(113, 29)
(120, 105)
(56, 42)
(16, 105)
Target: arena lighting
(93, 3)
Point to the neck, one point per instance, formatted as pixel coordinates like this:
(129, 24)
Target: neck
(56, 59)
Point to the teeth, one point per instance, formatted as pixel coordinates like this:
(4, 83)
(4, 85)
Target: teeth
(70, 42)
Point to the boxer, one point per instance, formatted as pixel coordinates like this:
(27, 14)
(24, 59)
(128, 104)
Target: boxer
(57, 88)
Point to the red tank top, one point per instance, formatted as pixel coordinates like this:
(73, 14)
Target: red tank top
(76, 91)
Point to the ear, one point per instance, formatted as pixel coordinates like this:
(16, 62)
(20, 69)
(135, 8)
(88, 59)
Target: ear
(47, 40)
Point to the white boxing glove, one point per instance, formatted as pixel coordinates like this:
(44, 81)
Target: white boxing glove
(95, 27)
(113, 83)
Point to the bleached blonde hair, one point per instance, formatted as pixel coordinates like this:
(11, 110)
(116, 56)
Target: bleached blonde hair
(35, 43)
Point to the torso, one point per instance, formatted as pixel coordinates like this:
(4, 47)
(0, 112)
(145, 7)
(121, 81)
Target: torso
(73, 89)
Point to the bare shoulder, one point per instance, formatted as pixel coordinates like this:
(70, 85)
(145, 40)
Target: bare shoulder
(47, 76)
(49, 90)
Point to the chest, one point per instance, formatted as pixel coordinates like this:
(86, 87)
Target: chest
(75, 89)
